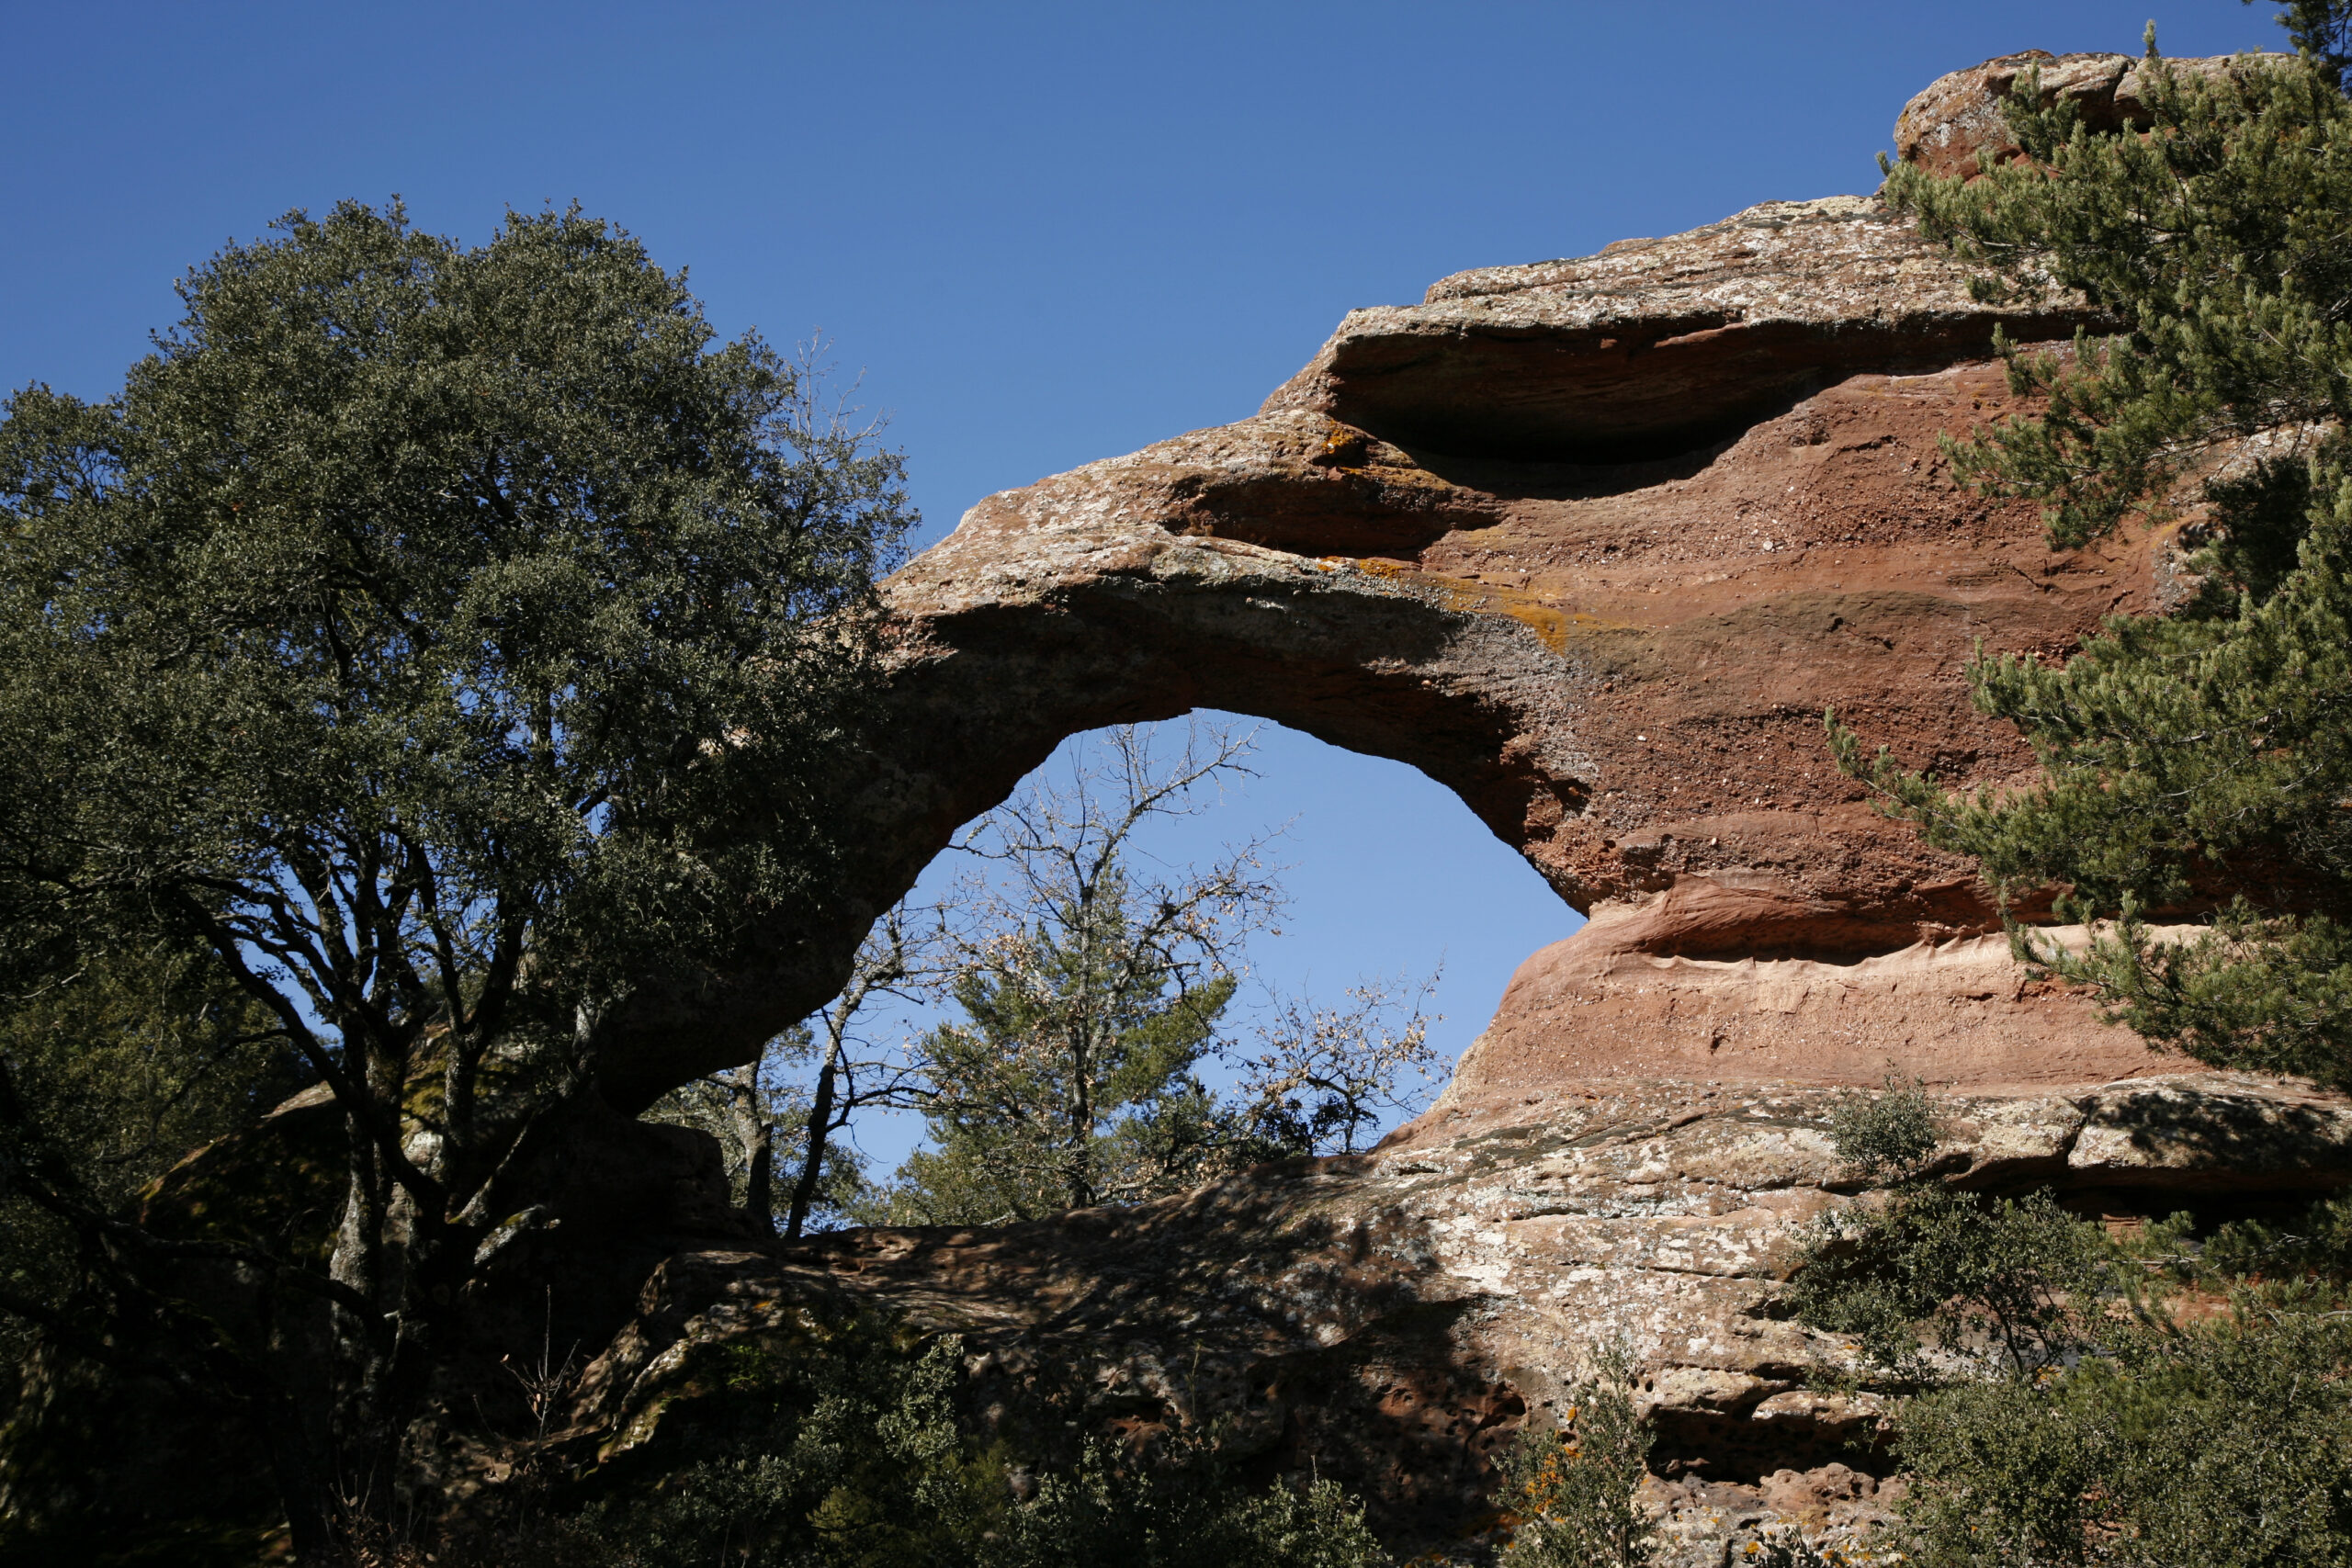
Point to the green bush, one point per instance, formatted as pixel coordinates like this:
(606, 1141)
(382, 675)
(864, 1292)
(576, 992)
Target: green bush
(1576, 1491)
(841, 1448)
(1938, 1284)
(2220, 1446)
(1189, 1510)
(2068, 1410)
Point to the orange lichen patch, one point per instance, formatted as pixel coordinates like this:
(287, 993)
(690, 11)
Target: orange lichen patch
(1554, 626)
(1466, 596)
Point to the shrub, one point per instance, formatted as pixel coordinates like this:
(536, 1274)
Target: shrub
(1576, 1491)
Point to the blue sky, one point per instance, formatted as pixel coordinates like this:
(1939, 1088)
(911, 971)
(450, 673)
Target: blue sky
(1046, 233)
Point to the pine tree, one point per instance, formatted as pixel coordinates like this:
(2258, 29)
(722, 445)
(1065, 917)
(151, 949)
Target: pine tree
(1089, 997)
(2200, 760)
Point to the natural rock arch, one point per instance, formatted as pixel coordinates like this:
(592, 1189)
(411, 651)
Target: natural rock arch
(1712, 505)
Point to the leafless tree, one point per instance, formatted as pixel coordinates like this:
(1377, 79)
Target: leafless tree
(1324, 1076)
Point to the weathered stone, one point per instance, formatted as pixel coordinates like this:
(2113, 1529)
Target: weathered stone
(1957, 124)
(1656, 348)
(1390, 1320)
(1593, 543)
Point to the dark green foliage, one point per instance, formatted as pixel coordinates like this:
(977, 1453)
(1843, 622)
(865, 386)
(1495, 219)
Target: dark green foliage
(2068, 1413)
(840, 1452)
(109, 1077)
(1186, 1509)
(1986, 1279)
(1931, 1281)
(841, 1448)
(2219, 243)
(448, 644)
(2321, 29)
(2224, 1446)
(2315, 1246)
(1886, 1136)
(1069, 1081)
(1575, 1491)
(2202, 760)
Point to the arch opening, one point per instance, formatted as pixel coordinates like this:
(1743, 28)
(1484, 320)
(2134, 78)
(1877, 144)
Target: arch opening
(1387, 876)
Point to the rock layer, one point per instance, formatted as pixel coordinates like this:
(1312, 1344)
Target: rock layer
(1656, 347)
(1390, 1321)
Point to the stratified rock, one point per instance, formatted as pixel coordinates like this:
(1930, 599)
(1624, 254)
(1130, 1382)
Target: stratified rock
(1594, 544)
(1621, 666)
(1390, 1321)
(1656, 347)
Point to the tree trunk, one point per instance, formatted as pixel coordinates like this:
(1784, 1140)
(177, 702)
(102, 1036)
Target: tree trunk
(812, 1157)
(757, 1136)
(309, 1518)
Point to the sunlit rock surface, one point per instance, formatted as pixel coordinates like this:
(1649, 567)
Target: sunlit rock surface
(1391, 1320)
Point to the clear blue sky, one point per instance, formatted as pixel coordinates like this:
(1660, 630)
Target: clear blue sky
(1045, 233)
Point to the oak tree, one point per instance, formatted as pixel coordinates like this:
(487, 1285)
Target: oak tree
(446, 642)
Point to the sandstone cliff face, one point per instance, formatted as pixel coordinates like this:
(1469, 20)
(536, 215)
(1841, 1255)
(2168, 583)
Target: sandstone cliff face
(1620, 665)
(1593, 543)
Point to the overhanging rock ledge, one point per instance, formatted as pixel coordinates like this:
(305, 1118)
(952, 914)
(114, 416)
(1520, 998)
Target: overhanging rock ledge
(1592, 543)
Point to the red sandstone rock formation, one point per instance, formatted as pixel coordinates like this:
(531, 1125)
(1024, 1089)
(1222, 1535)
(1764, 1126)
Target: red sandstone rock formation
(1595, 543)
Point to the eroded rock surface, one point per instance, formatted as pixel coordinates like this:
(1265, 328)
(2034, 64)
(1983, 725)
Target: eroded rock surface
(1658, 347)
(1392, 1320)
(1620, 665)
(1956, 126)
(1593, 543)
